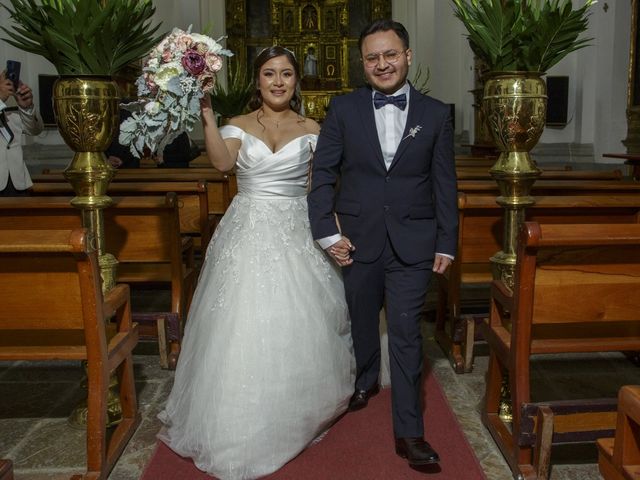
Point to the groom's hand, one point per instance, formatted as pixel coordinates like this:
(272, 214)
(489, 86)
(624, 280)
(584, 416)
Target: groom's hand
(341, 252)
(441, 263)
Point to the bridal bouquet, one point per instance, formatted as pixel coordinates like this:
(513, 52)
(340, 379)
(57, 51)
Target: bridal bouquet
(179, 71)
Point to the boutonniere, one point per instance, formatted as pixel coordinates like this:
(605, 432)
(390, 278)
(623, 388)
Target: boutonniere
(413, 132)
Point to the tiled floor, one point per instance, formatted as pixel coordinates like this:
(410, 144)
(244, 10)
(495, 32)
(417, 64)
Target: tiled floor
(36, 399)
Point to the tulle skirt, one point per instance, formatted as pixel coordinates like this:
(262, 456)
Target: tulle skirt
(267, 361)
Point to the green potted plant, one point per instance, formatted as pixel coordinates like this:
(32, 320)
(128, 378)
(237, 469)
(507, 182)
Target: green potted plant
(523, 35)
(83, 37)
(232, 100)
(518, 41)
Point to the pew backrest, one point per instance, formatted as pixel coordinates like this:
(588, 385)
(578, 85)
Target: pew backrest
(59, 271)
(141, 232)
(576, 287)
(193, 201)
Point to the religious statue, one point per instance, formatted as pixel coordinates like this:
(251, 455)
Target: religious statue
(310, 63)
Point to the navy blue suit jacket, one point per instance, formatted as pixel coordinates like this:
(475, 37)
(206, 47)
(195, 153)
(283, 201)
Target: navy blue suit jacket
(414, 202)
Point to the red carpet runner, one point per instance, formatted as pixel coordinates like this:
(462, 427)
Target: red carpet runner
(359, 447)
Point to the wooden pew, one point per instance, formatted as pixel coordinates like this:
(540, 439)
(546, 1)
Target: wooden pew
(53, 309)
(143, 234)
(221, 187)
(555, 187)
(575, 291)
(193, 202)
(619, 456)
(487, 162)
(480, 173)
(480, 234)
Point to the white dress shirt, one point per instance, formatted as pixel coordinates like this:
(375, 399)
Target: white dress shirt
(390, 123)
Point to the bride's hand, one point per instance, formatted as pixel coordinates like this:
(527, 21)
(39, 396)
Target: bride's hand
(205, 102)
(206, 109)
(341, 252)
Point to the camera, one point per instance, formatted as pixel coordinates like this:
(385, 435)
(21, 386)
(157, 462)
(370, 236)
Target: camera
(13, 73)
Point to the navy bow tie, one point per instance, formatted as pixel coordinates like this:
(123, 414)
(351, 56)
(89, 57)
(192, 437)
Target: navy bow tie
(380, 100)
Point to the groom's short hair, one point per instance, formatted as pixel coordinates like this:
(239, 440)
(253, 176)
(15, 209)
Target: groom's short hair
(384, 25)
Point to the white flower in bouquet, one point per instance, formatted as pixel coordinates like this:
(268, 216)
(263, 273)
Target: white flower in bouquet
(179, 71)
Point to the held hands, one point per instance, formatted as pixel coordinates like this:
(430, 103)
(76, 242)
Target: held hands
(441, 263)
(341, 252)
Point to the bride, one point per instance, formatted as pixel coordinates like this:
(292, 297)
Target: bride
(267, 362)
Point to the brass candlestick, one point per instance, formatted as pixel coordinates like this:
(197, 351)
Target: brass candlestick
(515, 105)
(86, 109)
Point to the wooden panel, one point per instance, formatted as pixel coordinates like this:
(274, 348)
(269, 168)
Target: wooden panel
(138, 235)
(573, 296)
(584, 422)
(193, 201)
(20, 282)
(479, 248)
(216, 198)
(189, 209)
(556, 187)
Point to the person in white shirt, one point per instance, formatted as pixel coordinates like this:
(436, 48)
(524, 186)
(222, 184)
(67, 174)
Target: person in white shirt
(15, 121)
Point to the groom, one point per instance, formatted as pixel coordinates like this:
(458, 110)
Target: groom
(384, 167)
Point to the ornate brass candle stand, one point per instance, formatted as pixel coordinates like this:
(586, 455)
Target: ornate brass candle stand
(86, 111)
(515, 105)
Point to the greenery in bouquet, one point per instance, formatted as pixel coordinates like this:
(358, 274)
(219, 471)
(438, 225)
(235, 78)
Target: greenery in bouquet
(179, 71)
(523, 35)
(83, 37)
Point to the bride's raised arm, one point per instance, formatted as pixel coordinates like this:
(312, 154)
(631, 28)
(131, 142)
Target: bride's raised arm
(222, 153)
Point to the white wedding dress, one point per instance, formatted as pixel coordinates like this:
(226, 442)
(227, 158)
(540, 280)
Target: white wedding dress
(267, 362)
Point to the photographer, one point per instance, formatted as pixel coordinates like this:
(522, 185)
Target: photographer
(14, 121)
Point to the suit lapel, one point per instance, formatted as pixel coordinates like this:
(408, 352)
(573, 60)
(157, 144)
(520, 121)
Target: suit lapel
(415, 113)
(365, 107)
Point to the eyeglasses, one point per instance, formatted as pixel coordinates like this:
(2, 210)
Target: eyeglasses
(390, 56)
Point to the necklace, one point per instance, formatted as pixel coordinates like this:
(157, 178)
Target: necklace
(277, 122)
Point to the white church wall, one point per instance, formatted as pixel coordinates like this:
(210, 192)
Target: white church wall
(597, 74)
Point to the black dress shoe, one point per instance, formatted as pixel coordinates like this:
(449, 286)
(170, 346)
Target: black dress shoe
(360, 398)
(416, 451)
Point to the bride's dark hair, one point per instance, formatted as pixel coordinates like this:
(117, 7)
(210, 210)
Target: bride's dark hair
(263, 57)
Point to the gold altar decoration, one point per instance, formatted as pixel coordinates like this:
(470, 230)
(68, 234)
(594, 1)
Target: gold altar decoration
(515, 105)
(86, 110)
(322, 34)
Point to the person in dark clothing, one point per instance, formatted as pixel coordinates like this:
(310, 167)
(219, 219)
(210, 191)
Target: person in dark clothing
(178, 153)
